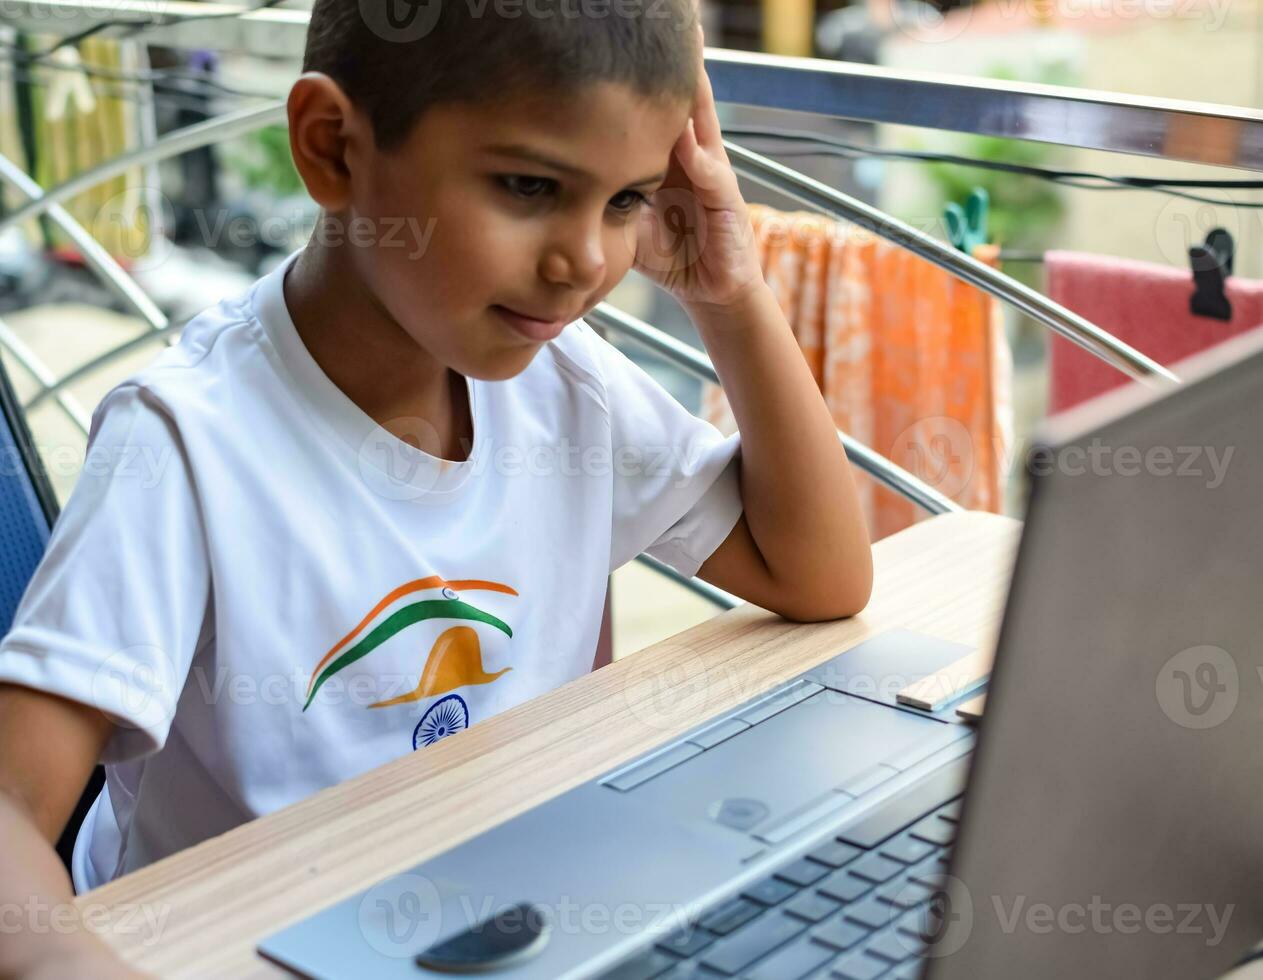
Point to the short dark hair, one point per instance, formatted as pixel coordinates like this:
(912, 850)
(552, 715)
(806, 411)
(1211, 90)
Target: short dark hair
(482, 51)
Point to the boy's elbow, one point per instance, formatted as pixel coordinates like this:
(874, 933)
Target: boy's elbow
(847, 597)
(857, 601)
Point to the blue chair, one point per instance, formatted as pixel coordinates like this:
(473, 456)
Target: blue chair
(28, 509)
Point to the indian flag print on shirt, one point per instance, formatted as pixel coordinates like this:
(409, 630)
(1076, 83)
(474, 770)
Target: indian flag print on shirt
(454, 660)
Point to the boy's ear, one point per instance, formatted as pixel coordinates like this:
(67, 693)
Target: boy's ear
(325, 136)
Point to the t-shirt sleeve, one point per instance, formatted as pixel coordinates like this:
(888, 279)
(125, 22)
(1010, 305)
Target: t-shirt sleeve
(677, 490)
(115, 608)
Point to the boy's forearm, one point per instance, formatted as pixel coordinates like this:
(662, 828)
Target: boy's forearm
(38, 918)
(796, 482)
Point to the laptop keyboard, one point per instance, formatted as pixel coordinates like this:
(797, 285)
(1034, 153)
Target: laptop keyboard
(856, 908)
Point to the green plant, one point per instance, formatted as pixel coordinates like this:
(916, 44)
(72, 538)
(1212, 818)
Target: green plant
(1023, 209)
(263, 160)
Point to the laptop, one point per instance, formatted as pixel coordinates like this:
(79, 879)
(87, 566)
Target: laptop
(823, 829)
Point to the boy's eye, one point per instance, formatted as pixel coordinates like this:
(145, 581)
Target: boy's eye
(523, 186)
(529, 188)
(635, 198)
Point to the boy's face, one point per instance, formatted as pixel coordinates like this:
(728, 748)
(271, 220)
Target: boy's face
(482, 225)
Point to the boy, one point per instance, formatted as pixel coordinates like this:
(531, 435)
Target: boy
(396, 473)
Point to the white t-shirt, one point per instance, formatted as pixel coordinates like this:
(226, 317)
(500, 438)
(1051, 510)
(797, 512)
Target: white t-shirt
(272, 594)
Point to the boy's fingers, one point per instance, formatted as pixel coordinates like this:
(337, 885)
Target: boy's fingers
(705, 121)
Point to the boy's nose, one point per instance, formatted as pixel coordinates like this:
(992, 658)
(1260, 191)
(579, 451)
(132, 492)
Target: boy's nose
(576, 259)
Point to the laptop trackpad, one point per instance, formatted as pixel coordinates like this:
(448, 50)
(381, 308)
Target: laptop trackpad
(779, 774)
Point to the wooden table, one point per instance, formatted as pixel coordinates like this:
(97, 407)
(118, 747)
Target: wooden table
(214, 902)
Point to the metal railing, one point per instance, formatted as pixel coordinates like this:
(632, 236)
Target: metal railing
(820, 197)
(1169, 129)
(692, 361)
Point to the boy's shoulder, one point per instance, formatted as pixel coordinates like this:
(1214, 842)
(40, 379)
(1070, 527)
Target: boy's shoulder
(581, 355)
(213, 348)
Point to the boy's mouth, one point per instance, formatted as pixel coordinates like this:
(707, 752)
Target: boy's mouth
(531, 327)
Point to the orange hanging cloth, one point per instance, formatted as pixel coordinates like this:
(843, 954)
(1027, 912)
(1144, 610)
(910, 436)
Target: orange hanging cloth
(911, 361)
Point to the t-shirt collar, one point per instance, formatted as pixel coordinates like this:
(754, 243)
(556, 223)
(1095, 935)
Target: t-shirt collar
(389, 465)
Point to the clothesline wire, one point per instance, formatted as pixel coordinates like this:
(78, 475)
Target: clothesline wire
(177, 99)
(831, 146)
(171, 95)
(150, 77)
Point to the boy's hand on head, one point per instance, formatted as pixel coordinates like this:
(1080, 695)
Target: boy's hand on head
(695, 239)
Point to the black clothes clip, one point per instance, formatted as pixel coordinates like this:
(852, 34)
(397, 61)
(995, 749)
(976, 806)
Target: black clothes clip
(1212, 265)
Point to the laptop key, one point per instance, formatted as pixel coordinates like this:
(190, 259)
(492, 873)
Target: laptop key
(844, 886)
(708, 738)
(835, 853)
(733, 954)
(909, 971)
(905, 894)
(796, 692)
(951, 811)
(731, 915)
(688, 970)
(791, 962)
(687, 942)
(931, 870)
(909, 803)
(935, 879)
(642, 772)
(812, 906)
(823, 809)
(875, 868)
(643, 966)
(840, 934)
(857, 786)
(858, 966)
(803, 872)
(871, 912)
(907, 849)
(769, 891)
(891, 946)
(934, 829)
(921, 925)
